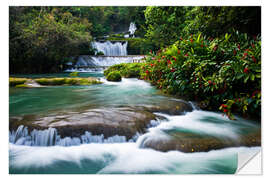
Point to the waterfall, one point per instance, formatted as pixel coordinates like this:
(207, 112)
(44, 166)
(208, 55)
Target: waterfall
(49, 137)
(111, 48)
(104, 61)
(132, 28)
(115, 52)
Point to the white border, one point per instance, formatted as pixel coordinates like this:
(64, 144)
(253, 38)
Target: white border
(135, 2)
(4, 77)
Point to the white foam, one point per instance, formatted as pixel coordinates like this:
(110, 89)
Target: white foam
(124, 158)
(200, 122)
(49, 137)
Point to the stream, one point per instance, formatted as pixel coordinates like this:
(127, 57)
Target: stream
(44, 151)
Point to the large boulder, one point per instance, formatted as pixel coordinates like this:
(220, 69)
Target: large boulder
(108, 121)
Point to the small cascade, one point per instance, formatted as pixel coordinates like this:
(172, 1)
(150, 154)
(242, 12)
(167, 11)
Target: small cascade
(105, 61)
(132, 29)
(50, 137)
(111, 48)
(114, 52)
(193, 105)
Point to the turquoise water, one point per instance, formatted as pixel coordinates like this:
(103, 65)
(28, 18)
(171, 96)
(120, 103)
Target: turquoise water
(88, 74)
(65, 98)
(118, 158)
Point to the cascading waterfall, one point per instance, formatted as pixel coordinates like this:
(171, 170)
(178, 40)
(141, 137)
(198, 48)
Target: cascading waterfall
(87, 63)
(132, 28)
(49, 137)
(115, 52)
(111, 48)
(104, 61)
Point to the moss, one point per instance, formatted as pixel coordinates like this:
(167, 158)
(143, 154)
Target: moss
(22, 86)
(16, 81)
(51, 81)
(114, 76)
(67, 81)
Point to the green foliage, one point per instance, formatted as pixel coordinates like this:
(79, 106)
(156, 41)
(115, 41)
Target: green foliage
(166, 24)
(224, 70)
(139, 46)
(100, 53)
(16, 81)
(114, 76)
(136, 45)
(214, 21)
(40, 38)
(127, 70)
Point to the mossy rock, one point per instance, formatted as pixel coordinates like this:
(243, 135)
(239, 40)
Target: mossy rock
(67, 81)
(114, 76)
(16, 81)
(22, 86)
(51, 81)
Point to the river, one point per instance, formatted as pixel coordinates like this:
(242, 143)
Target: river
(112, 156)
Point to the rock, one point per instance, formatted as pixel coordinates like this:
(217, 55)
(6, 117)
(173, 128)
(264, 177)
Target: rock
(168, 107)
(107, 121)
(190, 142)
(32, 83)
(125, 120)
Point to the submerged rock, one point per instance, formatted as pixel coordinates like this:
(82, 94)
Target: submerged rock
(108, 121)
(168, 107)
(191, 142)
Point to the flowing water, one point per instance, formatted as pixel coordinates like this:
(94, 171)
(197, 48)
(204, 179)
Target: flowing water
(110, 48)
(28, 151)
(104, 61)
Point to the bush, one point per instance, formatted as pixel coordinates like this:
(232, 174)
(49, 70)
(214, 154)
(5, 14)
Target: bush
(127, 70)
(222, 73)
(114, 76)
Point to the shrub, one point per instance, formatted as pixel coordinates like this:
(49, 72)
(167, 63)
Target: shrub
(127, 70)
(114, 76)
(223, 73)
